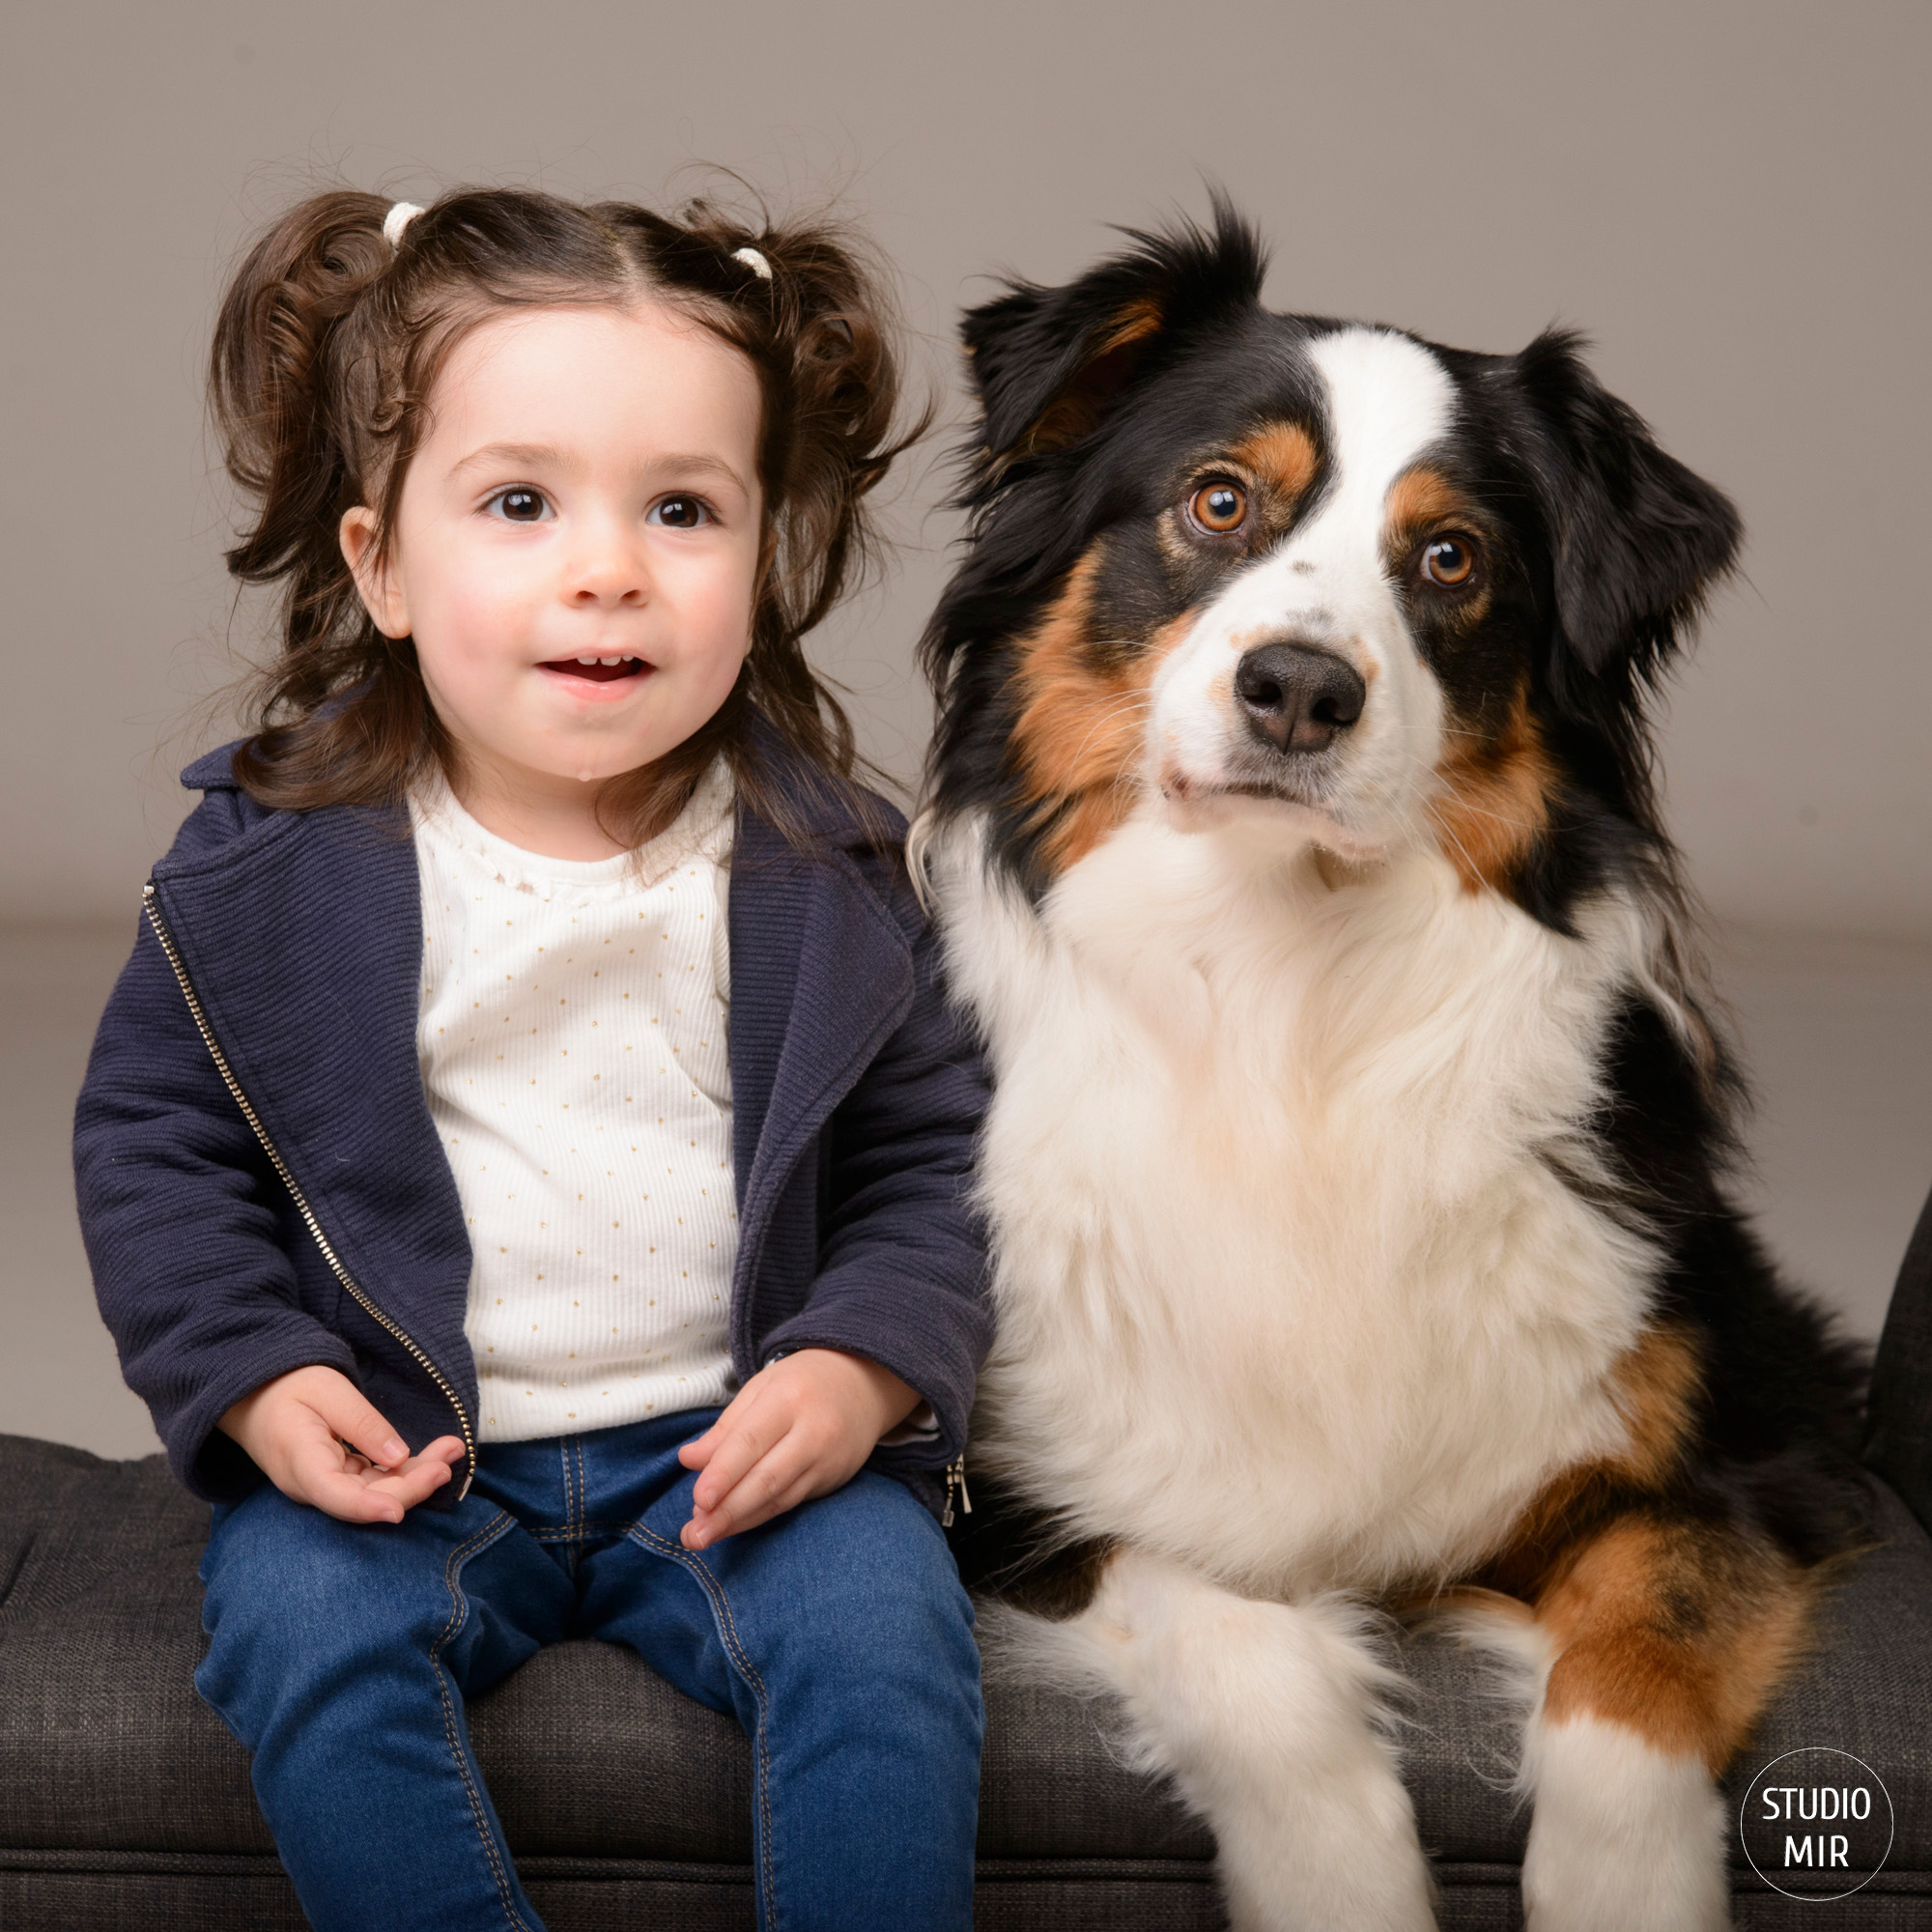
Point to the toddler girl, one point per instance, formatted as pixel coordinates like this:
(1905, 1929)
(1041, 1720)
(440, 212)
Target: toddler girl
(530, 1133)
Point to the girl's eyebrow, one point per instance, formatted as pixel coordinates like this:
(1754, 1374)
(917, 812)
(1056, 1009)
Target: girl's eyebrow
(514, 455)
(544, 456)
(679, 464)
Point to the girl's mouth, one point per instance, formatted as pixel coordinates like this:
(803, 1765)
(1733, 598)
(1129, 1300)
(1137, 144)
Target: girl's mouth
(595, 671)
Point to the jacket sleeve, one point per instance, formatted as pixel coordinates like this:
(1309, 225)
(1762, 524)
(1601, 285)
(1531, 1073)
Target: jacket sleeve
(902, 1262)
(178, 1209)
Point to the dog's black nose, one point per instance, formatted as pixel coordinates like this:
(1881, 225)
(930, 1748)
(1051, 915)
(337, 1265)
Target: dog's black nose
(1298, 698)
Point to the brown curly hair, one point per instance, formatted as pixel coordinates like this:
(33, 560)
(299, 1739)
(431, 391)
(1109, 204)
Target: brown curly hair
(327, 348)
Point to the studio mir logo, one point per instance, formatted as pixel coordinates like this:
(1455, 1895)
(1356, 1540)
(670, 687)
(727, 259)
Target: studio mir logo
(1816, 1824)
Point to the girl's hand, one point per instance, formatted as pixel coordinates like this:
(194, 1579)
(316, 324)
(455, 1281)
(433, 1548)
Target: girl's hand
(313, 1434)
(800, 1428)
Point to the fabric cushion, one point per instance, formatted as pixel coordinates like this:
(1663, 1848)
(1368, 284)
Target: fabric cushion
(106, 1749)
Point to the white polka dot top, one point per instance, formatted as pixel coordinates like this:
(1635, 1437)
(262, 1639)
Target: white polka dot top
(572, 1040)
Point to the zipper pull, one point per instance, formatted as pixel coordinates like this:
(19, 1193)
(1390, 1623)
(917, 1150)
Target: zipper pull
(955, 1476)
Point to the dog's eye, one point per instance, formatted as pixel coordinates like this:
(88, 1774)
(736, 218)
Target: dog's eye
(1219, 507)
(1450, 561)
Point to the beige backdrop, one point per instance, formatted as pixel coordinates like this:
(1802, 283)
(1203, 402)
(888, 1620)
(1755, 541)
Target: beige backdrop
(1729, 197)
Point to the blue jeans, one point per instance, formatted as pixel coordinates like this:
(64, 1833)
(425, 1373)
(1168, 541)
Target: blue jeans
(838, 1634)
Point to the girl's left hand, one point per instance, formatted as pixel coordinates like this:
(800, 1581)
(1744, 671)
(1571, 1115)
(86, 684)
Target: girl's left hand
(801, 1427)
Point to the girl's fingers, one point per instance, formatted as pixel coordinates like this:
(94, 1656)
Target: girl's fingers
(784, 1476)
(698, 1453)
(796, 1491)
(737, 1452)
(356, 1420)
(420, 1476)
(342, 1484)
(713, 1526)
(352, 1498)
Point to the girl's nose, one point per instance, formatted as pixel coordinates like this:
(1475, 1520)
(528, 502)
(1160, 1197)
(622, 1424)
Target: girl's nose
(606, 566)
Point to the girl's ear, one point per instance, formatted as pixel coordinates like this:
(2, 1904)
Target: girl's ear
(376, 581)
(1050, 364)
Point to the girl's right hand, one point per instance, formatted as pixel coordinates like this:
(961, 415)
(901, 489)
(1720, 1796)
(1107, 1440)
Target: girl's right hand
(319, 1440)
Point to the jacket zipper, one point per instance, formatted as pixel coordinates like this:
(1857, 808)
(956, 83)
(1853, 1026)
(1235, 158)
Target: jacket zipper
(151, 905)
(955, 1477)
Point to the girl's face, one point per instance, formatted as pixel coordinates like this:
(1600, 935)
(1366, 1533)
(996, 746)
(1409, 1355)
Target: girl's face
(576, 547)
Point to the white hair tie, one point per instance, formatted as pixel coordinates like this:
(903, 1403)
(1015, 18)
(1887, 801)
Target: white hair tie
(753, 261)
(396, 220)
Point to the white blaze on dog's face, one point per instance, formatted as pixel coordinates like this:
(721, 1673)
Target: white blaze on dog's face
(1299, 695)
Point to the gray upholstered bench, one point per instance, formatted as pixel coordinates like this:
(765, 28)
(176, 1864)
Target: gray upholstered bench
(124, 1803)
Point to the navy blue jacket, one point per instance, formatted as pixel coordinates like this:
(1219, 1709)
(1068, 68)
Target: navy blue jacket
(298, 936)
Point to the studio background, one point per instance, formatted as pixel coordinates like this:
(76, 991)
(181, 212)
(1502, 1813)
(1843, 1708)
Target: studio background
(1728, 198)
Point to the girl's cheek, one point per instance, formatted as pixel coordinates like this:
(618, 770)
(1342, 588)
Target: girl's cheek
(726, 613)
(486, 616)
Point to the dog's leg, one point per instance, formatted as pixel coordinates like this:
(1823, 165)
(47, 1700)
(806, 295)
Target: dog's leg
(1626, 1836)
(1261, 1714)
(1658, 1642)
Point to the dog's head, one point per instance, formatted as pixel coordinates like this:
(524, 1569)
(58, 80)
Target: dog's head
(1333, 581)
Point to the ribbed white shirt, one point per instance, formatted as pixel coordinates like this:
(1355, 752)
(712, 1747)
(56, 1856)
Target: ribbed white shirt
(572, 1035)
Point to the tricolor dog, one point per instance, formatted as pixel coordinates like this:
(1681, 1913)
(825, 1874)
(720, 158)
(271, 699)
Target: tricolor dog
(1357, 1166)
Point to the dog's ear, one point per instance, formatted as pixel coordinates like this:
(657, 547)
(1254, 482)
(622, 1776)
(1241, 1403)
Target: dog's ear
(1640, 540)
(1048, 364)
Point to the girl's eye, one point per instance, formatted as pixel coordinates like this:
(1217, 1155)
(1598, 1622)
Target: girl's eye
(1219, 507)
(679, 513)
(519, 506)
(1450, 561)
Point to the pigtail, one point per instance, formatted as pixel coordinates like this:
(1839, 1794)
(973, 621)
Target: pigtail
(274, 385)
(844, 399)
(295, 390)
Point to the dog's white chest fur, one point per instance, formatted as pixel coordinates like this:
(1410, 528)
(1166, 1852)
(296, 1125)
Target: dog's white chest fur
(1288, 1285)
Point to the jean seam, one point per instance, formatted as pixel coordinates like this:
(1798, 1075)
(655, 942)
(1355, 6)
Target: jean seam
(569, 1499)
(583, 1487)
(728, 1629)
(461, 1555)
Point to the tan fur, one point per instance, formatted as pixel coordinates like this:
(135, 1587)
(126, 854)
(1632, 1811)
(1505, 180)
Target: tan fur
(1282, 458)
(1422, 504)
(1676, 1631)
(1656, 1384)
(1495, 783)
(1078, 739)
(1418, 500)
(1494, 802)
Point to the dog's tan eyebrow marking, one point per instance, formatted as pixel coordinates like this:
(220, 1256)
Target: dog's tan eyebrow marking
(1280, 455)
(1422, 495)
(1420, 499)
